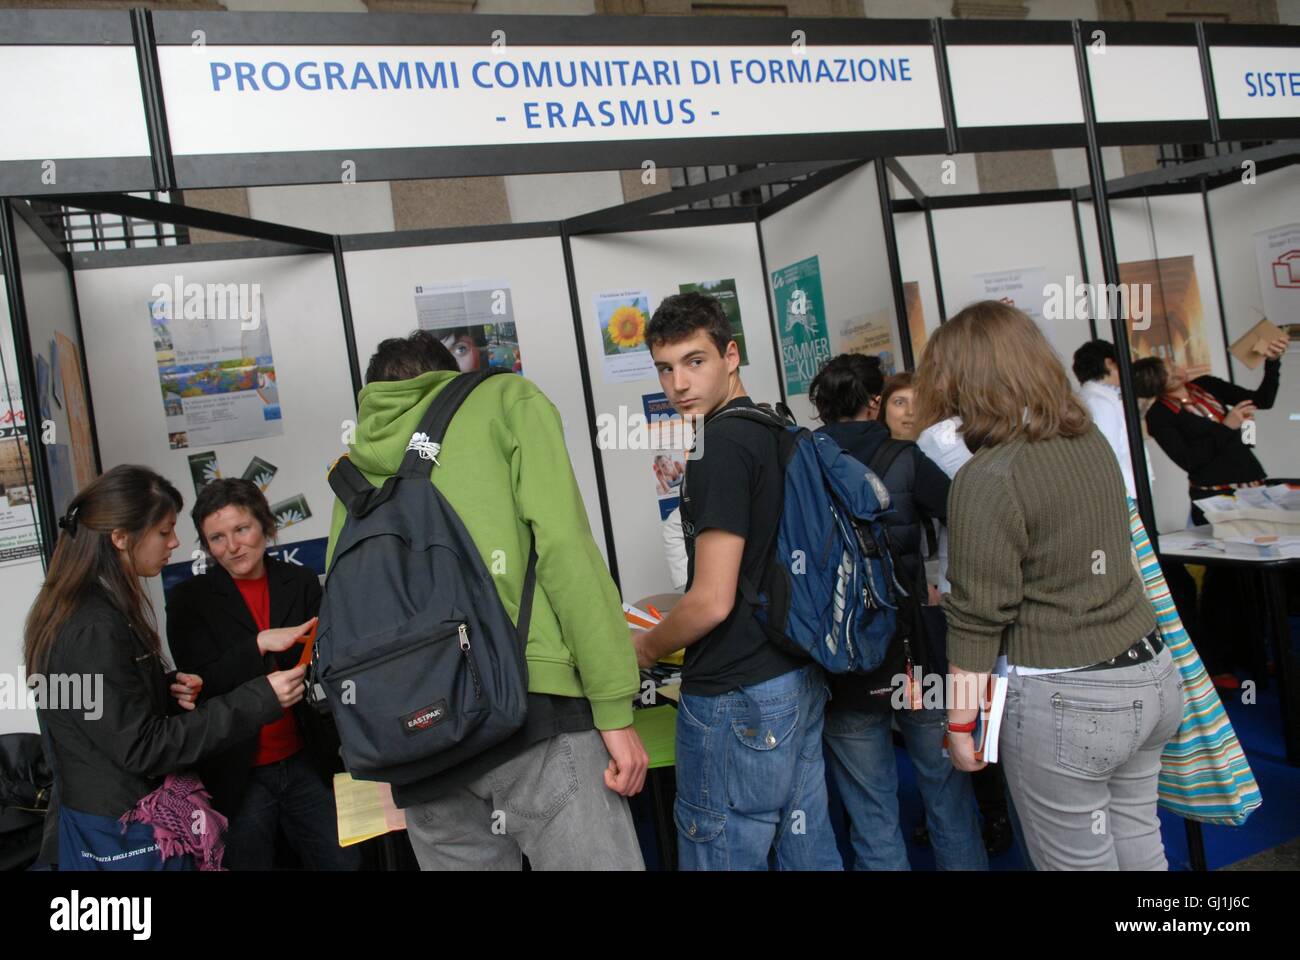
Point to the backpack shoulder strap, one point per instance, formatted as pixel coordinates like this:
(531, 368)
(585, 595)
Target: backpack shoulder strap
(422, 451)
(886, 454)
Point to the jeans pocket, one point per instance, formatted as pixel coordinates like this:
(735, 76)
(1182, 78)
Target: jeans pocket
(761, 761)
(696, 824)
(540, 790)
(704, 712)
(1095, 738)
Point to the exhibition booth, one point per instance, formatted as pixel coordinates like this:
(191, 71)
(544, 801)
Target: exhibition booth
(108, 357)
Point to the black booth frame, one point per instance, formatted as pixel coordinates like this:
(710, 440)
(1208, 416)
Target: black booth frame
(102, 185)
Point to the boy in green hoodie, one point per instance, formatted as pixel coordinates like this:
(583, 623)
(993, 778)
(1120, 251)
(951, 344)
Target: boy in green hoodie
(556, 791)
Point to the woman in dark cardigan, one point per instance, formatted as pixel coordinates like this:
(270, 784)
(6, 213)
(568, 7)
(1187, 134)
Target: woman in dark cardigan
(246, 615)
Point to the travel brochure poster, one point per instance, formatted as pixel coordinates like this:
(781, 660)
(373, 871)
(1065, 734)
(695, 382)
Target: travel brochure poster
(19, 537)
(218, 380)
(622, 316)
(801, 316)
(668, 466)
(474, 319)
(725, 292)
(870, 335)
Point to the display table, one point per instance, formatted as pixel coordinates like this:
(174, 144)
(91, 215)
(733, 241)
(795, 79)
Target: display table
(1199, 545)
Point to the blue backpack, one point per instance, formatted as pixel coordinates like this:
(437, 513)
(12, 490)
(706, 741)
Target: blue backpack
(829, 592)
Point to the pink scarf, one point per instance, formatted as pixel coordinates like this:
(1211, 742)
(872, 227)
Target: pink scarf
(183, 820)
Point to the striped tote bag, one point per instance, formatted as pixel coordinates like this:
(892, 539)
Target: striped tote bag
(1203, 771)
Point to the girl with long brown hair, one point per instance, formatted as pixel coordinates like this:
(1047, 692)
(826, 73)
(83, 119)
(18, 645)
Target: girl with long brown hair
(1041, 571)
(115, 732)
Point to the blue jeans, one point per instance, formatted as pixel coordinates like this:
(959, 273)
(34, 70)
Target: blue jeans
(288, 793)
(751, 778)
(863, 765)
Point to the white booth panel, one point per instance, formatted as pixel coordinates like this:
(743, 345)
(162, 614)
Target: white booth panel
(656, 263)
(301, 315)
(840, 225)
(381, 287)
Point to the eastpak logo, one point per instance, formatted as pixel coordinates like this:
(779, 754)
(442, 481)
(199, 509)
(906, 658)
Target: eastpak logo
(424, 718)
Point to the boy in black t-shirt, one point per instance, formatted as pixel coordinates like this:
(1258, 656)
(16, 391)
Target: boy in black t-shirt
(750, 774)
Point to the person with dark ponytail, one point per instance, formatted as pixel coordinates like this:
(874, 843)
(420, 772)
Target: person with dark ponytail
(122, 720)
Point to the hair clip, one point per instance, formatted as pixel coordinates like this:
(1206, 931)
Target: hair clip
(68, 522)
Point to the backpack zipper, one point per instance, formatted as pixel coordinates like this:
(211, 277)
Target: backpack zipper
(403, 652)
(464, 649)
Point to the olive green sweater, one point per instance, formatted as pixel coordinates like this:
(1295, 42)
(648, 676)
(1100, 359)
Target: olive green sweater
(1039, 556)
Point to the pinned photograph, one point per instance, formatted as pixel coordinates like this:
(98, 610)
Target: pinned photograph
(260, 472)
(203, 469)
(290, 511)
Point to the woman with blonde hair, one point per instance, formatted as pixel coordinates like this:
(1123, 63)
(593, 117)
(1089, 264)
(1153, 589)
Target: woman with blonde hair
(1041, 570)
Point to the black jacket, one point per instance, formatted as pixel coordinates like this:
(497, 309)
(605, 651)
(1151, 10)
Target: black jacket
(918, 493)
(211, 633)
(105, 764)
(1211, 453)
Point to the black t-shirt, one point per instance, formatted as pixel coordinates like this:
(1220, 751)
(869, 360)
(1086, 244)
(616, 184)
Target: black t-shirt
(735, 485)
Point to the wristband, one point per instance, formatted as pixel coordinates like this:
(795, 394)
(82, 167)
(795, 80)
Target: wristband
(962, 727)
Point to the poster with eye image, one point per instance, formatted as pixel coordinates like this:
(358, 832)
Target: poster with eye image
(474, 319)
(215, 369)
(801, 322)
(622, 316)
(290, 511)
(725, 292)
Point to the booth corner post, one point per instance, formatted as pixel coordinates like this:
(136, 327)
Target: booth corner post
(768, 297)
(895, 268)
(1110, 272)
(588, 399)
(27, 380)
(345, 309)
(1218, 283)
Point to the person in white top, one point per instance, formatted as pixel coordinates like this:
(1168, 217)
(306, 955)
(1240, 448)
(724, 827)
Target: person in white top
(1098, 374)
(942, 443)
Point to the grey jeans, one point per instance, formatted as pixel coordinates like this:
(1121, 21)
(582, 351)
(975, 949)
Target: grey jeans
(1081, 752)
(550, 803)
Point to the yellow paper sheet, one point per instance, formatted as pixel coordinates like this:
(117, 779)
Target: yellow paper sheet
(365, 809)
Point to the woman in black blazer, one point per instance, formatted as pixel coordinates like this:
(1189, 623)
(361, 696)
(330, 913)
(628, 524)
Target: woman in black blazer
(132, 720)
(245, 616)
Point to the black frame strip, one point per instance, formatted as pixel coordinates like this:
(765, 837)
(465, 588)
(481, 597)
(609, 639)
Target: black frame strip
(38, 226)
(588, 398)
(27, 382)
(895, 267)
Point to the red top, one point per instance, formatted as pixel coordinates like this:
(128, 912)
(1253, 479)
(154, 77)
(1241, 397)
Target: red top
(280, 738)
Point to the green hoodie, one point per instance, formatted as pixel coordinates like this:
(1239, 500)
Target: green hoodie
(504, 469)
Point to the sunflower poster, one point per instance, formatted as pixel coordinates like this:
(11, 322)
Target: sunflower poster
(622, 316)
(801, 316)
(725, 293)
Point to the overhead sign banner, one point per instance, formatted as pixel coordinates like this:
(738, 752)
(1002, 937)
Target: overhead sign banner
(1018, 85)
(1123, 91)
(254, 99)
(1253, 83)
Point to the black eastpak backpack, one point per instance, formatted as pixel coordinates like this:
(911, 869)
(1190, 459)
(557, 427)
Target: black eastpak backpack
(420, 663)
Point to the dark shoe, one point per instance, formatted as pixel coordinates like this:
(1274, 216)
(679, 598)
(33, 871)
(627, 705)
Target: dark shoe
(997, 836)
